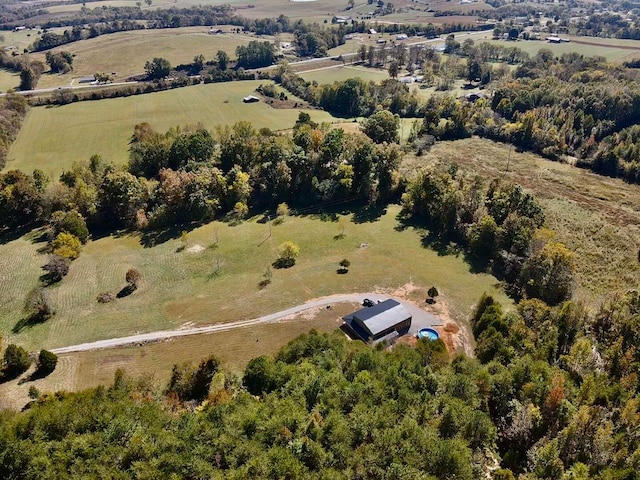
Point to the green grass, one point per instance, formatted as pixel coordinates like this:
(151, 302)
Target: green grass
(180, 288)
(8, 80)
(52, 138)
(596, 217)
(105, 53)
(335, 74)
(612, 51)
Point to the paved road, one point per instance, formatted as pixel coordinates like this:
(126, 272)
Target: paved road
(420, 319)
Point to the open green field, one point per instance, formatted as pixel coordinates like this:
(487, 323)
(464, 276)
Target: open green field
(334, 74)
(311, 11)
(8, 80)
(182, 288)
(19, 40)
(125, 53)
(596, 217)
(612, 49)
(53, 138)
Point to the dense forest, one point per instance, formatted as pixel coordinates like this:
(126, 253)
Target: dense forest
(552, 394)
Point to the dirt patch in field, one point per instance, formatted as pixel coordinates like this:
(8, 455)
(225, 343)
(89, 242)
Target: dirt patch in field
(197, 248)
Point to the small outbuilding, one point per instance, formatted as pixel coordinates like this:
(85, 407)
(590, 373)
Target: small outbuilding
(384, 321)
(251, 99)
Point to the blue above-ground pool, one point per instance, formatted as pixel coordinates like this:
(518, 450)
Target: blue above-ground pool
(429, 333)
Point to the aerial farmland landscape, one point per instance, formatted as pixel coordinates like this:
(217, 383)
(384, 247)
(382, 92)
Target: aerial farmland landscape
(320, 239)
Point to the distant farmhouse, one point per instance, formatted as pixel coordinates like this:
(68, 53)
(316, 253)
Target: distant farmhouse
(384, 321)
(554, 39)
(251, 99)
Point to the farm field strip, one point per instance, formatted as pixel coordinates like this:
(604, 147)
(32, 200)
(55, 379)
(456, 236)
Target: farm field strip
(126, 53)
(53, 138)
(77, 371)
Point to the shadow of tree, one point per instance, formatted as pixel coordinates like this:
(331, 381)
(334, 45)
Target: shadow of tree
(151, 238)
(442, 243)
(32, 320)
(284, 263)
(37, 375)
(126, 291)
(369, 213)
(9, 234)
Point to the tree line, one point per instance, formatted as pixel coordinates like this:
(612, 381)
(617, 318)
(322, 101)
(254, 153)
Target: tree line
(498, 224)
(189, 175)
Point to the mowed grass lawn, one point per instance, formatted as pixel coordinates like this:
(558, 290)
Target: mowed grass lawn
(126, 53)
(8, 80)
(338, 73)
(597, 217)
(220, 284)
(51, 139)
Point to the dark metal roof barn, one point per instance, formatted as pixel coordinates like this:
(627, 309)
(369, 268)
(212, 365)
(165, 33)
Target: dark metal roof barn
(384, 321)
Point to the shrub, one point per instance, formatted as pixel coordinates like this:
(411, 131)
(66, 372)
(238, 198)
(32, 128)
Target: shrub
(47, 361)
(433, 293)
(66, 245)
(57, 268)
(288, 252)
(133, 277)
(15, 361)
(105, 297)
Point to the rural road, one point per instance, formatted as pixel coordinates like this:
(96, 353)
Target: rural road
(67, 87)
(420, 319)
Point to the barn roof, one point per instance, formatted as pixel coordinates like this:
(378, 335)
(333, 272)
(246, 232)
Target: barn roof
(381, 316)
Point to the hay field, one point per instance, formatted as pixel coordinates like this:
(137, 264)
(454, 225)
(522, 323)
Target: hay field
(51, 139)
(218, 285)
(596, 217)
(125, 53)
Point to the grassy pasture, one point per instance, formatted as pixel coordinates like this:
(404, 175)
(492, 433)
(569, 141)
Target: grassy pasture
(334, 74)
(52, 138)
(182, 288)
(613, 51)
(8, 80)
(596, 217)
(234, 348)
(126, 52)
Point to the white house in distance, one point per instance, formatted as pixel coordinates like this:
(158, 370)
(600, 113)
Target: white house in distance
(554, 39)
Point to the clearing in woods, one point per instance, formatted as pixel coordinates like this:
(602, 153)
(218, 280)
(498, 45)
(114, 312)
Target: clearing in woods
(51, 139)
(221, 283)
(597, 217)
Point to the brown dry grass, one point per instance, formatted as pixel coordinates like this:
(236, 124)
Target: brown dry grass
(597, 217)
